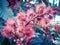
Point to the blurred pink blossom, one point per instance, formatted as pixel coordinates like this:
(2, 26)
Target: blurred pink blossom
(22, 25)
(10, 22)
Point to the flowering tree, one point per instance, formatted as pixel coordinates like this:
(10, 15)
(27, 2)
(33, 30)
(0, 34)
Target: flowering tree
(21, 27)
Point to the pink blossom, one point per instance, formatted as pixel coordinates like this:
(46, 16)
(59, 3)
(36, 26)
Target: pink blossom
(44, 22)
(22, 24)
(10, 22)
(19, 43)
(54, 12)
(20, 15)
(29, 34)
(31, 12)
(39, 9)
(29, 31)
(6, 31)
(47, 10)
(57, 27)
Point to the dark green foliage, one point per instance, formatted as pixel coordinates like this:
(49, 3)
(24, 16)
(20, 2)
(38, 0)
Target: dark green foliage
(5, 42)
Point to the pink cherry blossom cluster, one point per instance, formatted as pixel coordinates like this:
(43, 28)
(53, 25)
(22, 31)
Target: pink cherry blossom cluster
(21, 26)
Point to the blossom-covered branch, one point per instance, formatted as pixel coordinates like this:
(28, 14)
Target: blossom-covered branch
(21, 26)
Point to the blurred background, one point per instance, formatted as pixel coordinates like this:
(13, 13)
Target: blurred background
(9, 9)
